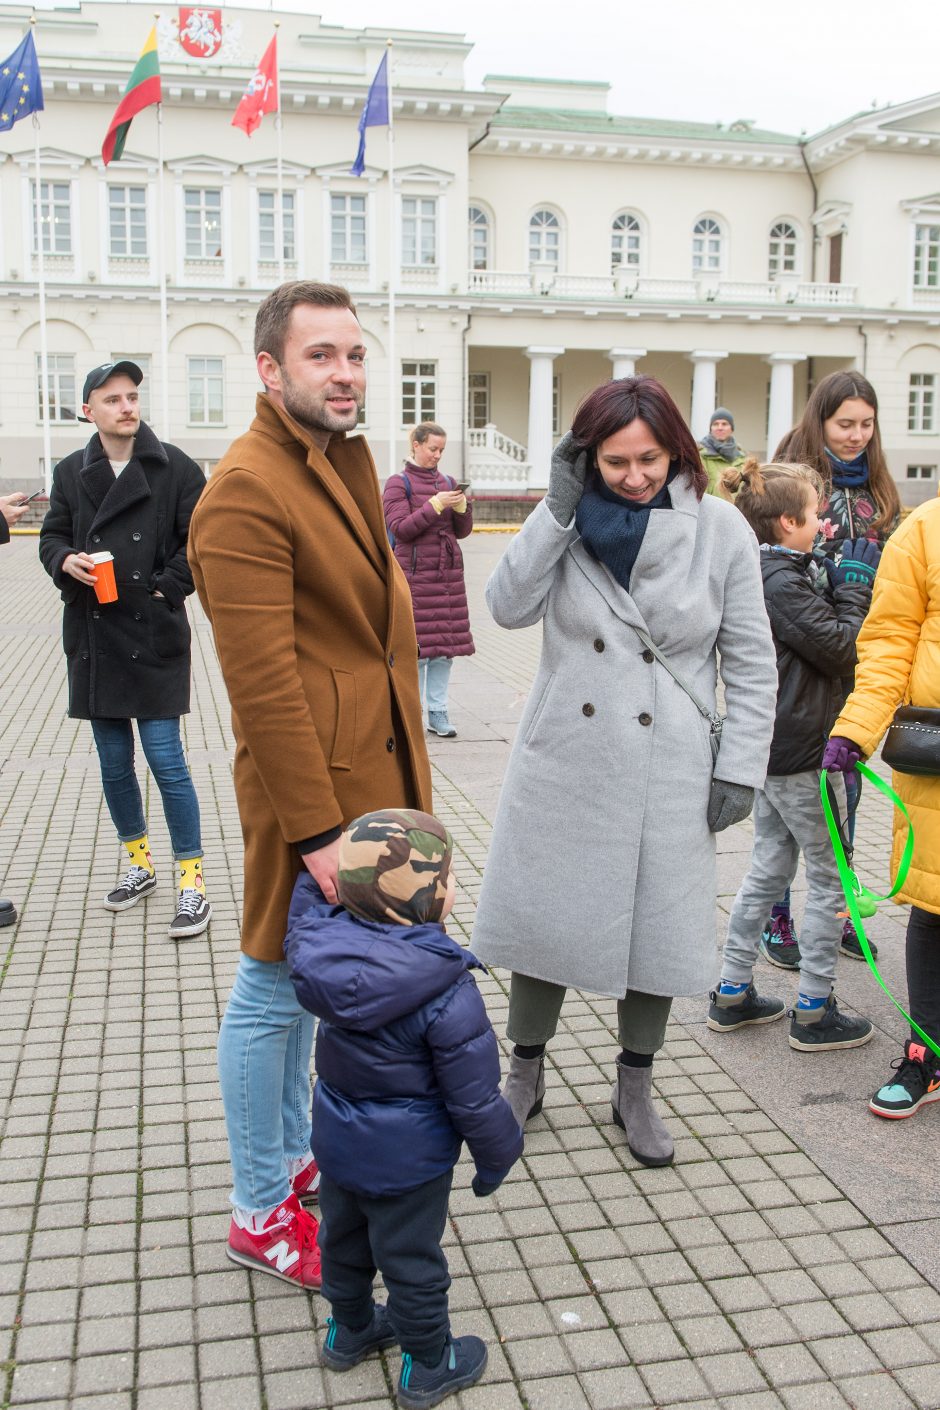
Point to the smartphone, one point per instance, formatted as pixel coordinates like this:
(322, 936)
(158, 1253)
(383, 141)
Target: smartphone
(40, 494)
(463, 486)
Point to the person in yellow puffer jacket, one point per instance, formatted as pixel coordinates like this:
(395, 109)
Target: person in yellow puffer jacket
(899, 663)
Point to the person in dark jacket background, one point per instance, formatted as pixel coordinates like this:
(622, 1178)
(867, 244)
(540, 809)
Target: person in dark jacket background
(12, 508)
(426, 514)
(814, 628)
(130, 494)
(407, 1068)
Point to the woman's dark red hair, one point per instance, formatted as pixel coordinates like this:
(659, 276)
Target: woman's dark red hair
(609, 408)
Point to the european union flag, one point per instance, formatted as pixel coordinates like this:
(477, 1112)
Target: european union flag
(374, 114)
(20, 84)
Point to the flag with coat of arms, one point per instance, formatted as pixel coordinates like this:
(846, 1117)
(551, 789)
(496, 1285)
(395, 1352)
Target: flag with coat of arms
(261, 96)
(20, 84)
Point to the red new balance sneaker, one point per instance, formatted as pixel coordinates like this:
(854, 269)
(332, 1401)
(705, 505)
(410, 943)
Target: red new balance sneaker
(306, 1183)
(285, 1248)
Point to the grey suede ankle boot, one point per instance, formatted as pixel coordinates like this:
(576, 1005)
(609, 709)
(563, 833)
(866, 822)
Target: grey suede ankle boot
(633, 1111)
(525, 1087)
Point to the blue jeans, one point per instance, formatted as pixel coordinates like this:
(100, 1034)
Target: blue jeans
(264, 1072)
(163, 750)
(433, 678)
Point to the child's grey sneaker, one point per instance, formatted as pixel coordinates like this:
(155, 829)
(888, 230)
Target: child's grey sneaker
(462, 1365)
(727, 1011)
(851, 945)
(133, 887)
(344, 1348)
(826, 1029)
(779, 944)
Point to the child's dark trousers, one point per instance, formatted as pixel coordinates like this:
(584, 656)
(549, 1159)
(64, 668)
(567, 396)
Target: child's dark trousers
(401, 1235)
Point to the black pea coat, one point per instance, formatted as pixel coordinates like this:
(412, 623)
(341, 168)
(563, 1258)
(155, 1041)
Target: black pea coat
(128, 659)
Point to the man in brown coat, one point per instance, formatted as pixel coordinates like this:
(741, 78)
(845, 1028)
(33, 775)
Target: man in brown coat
(314, 630)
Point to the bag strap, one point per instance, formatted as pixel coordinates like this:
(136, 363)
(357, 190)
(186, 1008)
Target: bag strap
(711, 716)
(407, 483)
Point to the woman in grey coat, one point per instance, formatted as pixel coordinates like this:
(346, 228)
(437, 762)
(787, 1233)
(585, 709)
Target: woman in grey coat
(601, 874)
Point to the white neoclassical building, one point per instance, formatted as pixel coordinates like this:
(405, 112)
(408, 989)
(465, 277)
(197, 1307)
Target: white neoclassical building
(542, 245)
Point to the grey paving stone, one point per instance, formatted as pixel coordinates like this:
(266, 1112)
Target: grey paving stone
(876, 1392)
(789, 1365)
(619, 1389)
(704, 1336)
(670, 1382)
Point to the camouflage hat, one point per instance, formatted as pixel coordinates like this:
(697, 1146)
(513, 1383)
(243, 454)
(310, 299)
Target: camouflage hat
(394, 865)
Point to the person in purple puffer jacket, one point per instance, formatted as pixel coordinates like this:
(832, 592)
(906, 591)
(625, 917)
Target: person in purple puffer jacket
(407, 1070)
(426, 513)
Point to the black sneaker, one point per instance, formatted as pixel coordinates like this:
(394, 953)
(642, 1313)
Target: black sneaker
(778, 943)
(917, 1083)
(345, 1348)
(7, 913)
(193, 914)
(727, 1011)
(851, 945)
(462, 1364)
(831, 1029)
(138, 882)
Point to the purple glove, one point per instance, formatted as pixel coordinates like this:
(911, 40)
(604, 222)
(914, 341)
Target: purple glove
(841, 754)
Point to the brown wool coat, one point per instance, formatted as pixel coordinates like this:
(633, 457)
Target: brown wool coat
(316, 640)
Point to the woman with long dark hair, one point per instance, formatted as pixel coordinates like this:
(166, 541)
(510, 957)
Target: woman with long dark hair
(601, 874)
(838, 437)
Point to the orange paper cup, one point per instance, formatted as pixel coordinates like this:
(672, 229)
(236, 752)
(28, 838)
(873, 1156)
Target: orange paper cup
(105, 586)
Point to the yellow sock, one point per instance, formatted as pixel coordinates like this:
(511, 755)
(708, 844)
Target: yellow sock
(191, 875)
(139, 853)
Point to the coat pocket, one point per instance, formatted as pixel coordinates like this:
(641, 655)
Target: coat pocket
(540, 706)
(169, 627)
(344, 737)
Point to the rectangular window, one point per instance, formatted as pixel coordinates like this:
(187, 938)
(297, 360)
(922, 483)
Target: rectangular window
(127, 222)
(418, 392)
(922, 472)
(556, 405)
(835, 258)
(267, 235)
(203, 221)
(922, 401)
(348, 243)
(143, 361)
(55, 218)
(60, 384)
(418, 231)
(206, 378)
(927, 256)
(478, 400)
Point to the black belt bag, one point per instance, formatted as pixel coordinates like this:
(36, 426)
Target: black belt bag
(912, 744)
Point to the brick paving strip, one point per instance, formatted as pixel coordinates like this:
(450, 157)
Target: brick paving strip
(749, 1275)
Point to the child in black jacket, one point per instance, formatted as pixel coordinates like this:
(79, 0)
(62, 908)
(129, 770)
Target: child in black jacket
(816, 610)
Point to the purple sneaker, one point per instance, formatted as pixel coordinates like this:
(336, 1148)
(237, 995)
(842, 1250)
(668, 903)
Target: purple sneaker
(778, 943)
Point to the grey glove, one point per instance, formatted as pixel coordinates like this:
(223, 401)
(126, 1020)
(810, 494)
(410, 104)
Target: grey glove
(728, 803)
(566, 479)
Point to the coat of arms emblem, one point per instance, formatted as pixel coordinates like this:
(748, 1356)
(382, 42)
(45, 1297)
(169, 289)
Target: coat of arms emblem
(200, 31)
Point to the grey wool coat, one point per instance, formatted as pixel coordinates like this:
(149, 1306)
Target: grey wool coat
(601, 874)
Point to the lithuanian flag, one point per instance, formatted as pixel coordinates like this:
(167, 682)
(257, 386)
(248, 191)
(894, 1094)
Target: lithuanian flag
(143, 89)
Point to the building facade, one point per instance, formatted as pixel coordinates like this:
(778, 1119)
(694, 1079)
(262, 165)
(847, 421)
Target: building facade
(535, 245)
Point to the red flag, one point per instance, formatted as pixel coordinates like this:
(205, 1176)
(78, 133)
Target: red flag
(261, 95)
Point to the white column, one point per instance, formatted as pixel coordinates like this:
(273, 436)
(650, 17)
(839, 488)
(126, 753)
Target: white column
(624, 361)
(704, 380)
(780, 413)
(539, 450)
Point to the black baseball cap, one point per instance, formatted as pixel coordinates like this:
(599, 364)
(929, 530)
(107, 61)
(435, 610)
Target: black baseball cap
(99, 375)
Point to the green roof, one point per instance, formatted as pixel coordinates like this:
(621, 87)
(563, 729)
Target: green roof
(600, 124)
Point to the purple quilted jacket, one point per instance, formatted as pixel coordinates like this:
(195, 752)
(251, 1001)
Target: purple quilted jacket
(427, 549)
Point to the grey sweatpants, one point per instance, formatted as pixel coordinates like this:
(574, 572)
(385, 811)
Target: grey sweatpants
(788, 819)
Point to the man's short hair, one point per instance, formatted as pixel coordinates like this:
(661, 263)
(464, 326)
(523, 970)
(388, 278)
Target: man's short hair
(273, 317)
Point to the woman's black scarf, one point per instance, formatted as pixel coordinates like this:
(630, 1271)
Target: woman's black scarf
(612, 528)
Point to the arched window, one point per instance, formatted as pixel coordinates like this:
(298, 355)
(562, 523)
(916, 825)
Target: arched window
(479, 238)
(625, 243)
(544, 239)
(782, 251)
(707, 242)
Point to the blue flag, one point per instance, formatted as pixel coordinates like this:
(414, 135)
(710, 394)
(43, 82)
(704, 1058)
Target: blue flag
(374, 114)
(20, 84)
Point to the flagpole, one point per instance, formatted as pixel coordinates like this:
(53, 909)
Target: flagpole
(392, 271)
(43, 339)
(278, 127)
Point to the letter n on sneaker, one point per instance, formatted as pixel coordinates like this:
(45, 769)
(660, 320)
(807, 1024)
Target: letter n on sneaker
(286, 1246)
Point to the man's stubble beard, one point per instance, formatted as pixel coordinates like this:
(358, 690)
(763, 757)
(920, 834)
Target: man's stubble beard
(313, 412)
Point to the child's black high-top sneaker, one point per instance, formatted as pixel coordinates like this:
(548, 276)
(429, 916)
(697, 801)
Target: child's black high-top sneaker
(819, 1026)
(916, 1082)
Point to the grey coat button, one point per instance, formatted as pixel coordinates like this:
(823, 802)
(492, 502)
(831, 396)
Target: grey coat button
(648, 657)
(645, 719)
(587, 709)
(598, 645)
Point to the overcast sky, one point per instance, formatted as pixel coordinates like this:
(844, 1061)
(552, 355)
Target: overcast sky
(786, 64)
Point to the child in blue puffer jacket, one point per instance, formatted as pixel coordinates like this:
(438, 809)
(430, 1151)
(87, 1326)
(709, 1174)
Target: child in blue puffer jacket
(407, 1069)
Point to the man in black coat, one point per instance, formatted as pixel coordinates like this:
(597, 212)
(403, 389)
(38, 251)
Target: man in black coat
(12, 507)
(130, 497)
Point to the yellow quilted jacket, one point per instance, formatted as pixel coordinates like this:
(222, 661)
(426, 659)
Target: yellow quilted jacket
(899, 664)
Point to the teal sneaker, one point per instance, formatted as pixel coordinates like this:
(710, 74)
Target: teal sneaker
(916, 1082)
(778, 943)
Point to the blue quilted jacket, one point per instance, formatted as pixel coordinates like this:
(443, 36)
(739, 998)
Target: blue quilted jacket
(406, 1059)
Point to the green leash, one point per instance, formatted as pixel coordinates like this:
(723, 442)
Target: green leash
(860, 900)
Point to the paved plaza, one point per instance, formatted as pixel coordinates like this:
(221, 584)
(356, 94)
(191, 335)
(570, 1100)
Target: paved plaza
(789, 1260)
